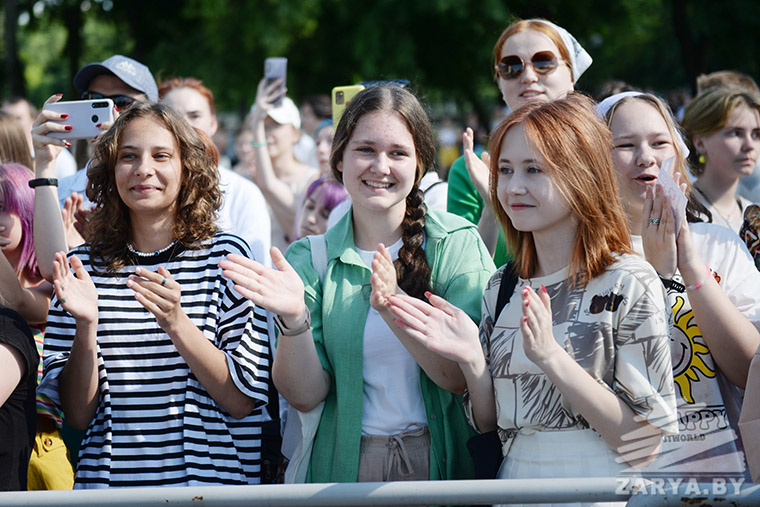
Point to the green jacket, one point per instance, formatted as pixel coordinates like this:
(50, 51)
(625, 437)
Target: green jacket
(461, 267)
(463, 200)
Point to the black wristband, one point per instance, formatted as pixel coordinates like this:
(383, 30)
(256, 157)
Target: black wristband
(43, 182)
(672, 284)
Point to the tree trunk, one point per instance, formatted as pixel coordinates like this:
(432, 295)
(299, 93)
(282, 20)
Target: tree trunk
(14, 67)
(72, 19)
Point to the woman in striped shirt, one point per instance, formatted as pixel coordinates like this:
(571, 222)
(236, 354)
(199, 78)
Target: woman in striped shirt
(147, 346)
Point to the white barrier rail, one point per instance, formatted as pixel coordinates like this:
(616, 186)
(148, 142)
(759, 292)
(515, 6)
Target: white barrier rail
(334, 494)
(393, 493)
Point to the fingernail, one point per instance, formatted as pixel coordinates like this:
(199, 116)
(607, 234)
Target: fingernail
(67, 144)
(116, 107)
(59, 95)
(525, 319)
(64, 116)
(69, 127)
(98, 125)
(527, 302)
(543, 289)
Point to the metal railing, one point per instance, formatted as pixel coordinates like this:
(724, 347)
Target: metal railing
(400, 493)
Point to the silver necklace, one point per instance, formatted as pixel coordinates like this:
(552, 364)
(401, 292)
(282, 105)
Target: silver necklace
(150, 254)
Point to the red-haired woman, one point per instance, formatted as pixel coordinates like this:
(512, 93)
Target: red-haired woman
(577, 362)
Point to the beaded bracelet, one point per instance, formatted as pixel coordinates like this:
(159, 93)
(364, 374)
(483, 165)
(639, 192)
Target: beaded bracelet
(698, 284)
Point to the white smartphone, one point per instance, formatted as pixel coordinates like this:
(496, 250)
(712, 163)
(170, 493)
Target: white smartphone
(84, 116)
(276, 68)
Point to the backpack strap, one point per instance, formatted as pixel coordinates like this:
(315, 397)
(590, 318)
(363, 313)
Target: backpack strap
(319, 254)
(506, 288)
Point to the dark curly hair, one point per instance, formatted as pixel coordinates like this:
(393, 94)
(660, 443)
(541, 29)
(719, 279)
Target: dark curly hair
(412, 270)
(198, 201)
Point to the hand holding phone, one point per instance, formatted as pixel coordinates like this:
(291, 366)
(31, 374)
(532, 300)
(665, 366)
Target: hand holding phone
(276, 68)
(84, 116)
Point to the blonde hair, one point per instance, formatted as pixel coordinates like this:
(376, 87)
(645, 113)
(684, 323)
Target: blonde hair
(694, 209)
(575, 147)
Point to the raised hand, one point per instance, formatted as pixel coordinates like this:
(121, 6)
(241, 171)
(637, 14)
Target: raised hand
(383, 279)
(47, 148)
(440, 326)
(477, 167)
(658, 233)
(76, 294)
(70, 212)
(267, 95)
(280, 291)
(536, 326)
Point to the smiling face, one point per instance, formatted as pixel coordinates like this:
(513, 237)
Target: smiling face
(194, 107)
(530, 86)
(148, 170)
(641, 142)
(527, 193)
(732, 151)
(379, 163)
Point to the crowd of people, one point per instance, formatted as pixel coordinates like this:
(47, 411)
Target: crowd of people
(580, 299)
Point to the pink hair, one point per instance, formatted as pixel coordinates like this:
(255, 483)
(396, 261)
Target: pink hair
(18, 198)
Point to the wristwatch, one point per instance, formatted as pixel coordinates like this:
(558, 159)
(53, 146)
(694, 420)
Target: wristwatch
(286, 331)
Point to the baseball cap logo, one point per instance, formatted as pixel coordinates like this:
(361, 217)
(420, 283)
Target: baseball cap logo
(127, 67)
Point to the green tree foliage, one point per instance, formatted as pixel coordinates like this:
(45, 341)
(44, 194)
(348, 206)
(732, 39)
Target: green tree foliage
(442, 46)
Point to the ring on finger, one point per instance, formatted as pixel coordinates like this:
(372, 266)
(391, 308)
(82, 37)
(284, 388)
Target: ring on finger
(163, 282)
(654, 221)
(62, 301)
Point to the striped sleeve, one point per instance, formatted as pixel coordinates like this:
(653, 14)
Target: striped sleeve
(242, 331)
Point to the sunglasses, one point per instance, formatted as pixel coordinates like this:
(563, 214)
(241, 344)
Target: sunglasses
(512, 66)
(120, 101)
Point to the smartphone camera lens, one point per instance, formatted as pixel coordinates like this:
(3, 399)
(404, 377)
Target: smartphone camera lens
(339, 99)
(100, 105)
(94, 118)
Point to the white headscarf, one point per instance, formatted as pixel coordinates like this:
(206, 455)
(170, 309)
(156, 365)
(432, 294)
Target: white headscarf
(580, 60)
(604, 107)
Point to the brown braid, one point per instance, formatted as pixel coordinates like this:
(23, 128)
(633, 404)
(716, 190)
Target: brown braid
(412, 269)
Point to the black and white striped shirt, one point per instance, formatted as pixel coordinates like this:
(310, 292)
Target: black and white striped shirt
(155, 424)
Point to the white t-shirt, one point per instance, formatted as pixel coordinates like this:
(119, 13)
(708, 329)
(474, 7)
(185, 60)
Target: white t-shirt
(244, 213)
(707, 402)
(392, 395)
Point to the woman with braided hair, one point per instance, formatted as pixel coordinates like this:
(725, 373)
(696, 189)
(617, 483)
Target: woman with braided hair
(389, 408)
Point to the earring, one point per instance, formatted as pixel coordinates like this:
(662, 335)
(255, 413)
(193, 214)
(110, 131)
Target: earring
(701, 159)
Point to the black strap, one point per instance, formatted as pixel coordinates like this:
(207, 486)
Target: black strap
(506, 288)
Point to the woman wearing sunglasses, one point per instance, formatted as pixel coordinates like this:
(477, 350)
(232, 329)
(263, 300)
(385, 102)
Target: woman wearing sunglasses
(576, 366)
(534, 61)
